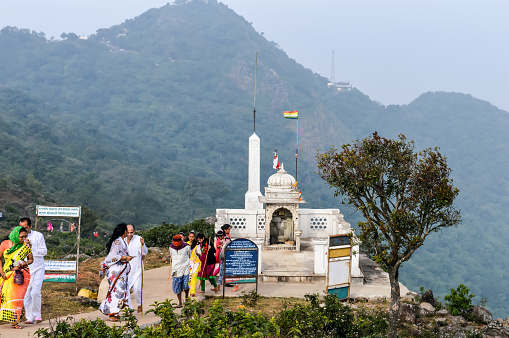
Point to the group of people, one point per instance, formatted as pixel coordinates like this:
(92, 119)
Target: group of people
(123, 268)
(22, 272)
(198, 259)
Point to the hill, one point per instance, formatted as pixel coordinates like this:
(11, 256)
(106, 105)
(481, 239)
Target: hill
(148, 121)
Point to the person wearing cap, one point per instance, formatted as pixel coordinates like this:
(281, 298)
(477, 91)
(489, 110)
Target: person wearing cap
(180, 253)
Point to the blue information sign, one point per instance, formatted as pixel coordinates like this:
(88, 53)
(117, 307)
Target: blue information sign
(241, 262)
(241, 243)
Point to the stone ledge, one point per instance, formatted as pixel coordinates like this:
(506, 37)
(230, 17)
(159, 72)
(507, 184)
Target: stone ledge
(292, 279)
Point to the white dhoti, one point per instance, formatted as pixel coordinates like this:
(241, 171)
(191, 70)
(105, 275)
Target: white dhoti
(135, 250)
(33, 301)
(135, 283)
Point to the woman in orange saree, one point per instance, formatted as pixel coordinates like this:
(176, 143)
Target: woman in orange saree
(17, 254)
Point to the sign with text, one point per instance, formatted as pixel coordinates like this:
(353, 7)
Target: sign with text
(60, 265)
(241, 260)
(339, 266)
(60, 277)
(43, 211)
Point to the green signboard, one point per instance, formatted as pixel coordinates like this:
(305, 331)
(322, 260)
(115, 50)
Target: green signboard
(60, 277)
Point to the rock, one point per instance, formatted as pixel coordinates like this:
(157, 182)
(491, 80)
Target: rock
(441, 321)
(481, 315)
(428, 298)
(495, 329)
(460, 334)
(407, 313)
(155, 249)
(425, 309)
(407, 300)
(84, 300)
(442, 313)
(103, 290)
(411, 294)
(458, 321)
(210, 220)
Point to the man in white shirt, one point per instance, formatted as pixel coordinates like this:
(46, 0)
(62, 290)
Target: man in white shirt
(32, 301)
(135, 244)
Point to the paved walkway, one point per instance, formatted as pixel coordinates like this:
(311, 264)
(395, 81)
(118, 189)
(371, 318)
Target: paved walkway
(155, 289)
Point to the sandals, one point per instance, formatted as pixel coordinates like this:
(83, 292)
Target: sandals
(29, 322)
(114, 318)
(16, 326)
(38, 320)
(179, 306)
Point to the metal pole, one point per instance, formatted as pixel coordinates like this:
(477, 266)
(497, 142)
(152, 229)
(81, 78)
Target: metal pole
(141, 252)
(36, 216)
(297, 151)
(78, 251)
(254, 101)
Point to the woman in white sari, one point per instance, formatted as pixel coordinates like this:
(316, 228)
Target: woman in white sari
(117, 267)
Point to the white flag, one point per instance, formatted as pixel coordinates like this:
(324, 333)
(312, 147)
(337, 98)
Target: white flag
(275, 164)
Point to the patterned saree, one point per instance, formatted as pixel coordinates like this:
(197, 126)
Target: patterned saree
(12, 294)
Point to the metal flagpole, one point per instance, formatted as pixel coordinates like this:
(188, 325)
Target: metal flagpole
(297, 151)
(141, 251)
(254, 101)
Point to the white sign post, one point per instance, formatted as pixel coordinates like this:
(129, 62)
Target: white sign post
(62, 211)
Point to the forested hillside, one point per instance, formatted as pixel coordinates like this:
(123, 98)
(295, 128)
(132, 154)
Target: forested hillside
(148, 121)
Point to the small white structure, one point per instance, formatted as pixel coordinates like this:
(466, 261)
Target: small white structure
(283, 224)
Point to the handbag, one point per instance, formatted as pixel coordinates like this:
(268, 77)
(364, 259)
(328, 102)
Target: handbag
(19, 278)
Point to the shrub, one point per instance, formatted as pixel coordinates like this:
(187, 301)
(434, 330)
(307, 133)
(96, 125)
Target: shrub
(161, 236)
(459, 301)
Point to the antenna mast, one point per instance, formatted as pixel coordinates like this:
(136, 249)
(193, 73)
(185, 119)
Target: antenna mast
(332, 70)
(254, 102)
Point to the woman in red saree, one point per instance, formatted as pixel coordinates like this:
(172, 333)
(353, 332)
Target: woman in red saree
(17, 254)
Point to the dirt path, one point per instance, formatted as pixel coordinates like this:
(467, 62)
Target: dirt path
(155, 282)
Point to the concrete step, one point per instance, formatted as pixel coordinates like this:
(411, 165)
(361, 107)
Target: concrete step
(279, 278)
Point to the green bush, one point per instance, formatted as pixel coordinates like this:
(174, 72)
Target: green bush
(327, 317)
(161, 236)
(459, 301)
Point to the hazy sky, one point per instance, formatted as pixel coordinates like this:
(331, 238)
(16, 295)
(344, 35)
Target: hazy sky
(391, 50)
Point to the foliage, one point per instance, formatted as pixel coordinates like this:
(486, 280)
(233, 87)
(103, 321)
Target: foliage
(250, 298)
(459, 302)
(62, 244)
(162, 235)
(328, 317)
(404, 196)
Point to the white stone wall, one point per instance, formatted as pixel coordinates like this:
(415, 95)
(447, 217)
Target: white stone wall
(244, 223)
(314, 223)
(320, 223)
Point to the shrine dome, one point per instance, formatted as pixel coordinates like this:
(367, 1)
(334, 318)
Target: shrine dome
(281, 180)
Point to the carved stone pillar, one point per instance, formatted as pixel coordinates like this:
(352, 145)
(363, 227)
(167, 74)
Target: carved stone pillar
(297, 233)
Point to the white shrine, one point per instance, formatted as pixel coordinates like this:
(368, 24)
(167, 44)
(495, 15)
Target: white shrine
(283, 224)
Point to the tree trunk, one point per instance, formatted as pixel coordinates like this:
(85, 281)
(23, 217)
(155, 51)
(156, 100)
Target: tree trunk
(394, 308)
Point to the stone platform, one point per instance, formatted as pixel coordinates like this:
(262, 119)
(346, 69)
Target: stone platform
(289, 266)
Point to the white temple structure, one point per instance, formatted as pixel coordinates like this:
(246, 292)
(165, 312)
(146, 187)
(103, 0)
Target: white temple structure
(276, 220)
